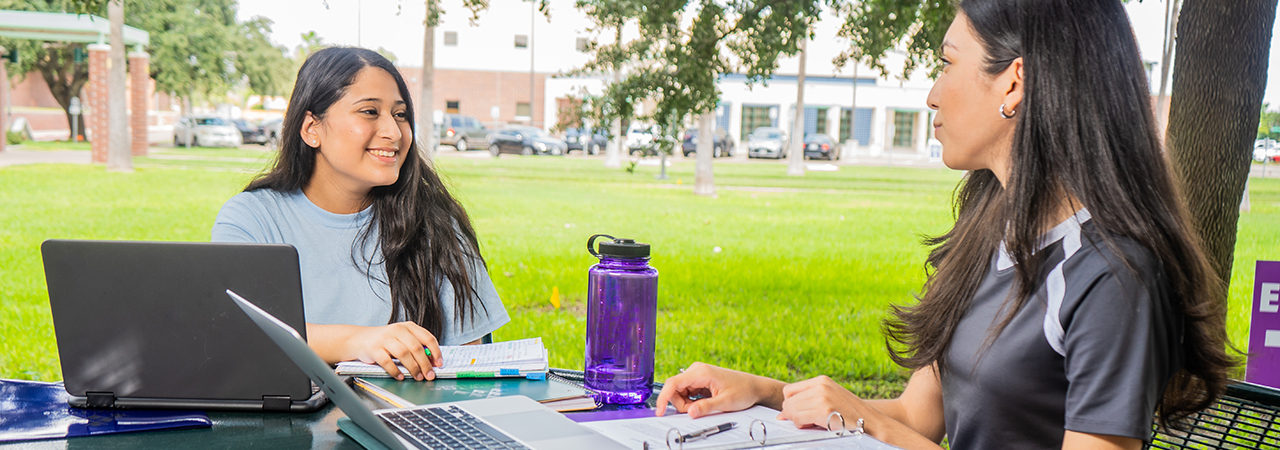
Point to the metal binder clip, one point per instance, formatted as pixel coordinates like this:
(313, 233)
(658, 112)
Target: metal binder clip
(678, 440)
(764, 432)
(841, 431)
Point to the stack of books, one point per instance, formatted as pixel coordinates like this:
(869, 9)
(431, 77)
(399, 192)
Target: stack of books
(525, 358)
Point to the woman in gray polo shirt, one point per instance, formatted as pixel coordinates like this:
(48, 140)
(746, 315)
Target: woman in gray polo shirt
(1071, 302)
(390, 263)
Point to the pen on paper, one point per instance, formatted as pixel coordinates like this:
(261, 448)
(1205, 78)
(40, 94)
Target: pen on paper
(706, 432)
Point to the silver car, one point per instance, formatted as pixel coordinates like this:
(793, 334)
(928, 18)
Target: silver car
(206, 131)
(767, 142)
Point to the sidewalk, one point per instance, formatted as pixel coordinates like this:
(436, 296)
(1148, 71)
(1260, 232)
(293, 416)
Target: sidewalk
(15, 157)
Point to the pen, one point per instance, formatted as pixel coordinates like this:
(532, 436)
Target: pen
(705, 432)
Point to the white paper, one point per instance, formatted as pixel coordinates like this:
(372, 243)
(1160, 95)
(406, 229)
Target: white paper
(525, 355)
(634, 432)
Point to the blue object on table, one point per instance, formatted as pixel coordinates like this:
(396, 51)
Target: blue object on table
(37, 410)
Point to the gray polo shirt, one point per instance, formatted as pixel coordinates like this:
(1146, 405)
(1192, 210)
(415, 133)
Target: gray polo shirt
(336, 288)
(1090, 352)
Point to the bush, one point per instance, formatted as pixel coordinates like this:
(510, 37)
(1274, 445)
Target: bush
(13, 137)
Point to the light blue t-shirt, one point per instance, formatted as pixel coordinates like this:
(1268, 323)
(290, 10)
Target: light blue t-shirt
(339, 286)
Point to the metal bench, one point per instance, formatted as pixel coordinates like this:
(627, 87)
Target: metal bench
(1247, 417)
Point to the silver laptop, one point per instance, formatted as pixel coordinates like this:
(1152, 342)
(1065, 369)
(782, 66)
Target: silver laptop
(514, 422)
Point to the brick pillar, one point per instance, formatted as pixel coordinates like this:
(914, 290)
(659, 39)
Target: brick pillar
(4, 101)
(96, 125)
(139, 82)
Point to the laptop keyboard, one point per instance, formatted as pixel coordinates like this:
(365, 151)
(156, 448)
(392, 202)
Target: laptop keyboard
(447, 428)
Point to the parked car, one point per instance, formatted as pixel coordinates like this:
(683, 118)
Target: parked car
(250, 133)
(587, 140)
(767, 142)
(721, 143)
(205, 130)
(1264, 149)
(818, 145)
(271, 127)
(462, 132)
(525, 140)
(640, 139)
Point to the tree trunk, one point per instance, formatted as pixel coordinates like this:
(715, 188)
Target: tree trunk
(64, 80)
(426, 98)
(1171, 23)
(119, 155)
(703, 180)
(618, 137)
(795, 151)
(1218, 85)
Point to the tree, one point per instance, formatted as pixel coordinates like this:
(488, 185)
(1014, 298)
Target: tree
(197, 49)
(119, 155)
(1212, 111)
(678, 67)
(426, 97)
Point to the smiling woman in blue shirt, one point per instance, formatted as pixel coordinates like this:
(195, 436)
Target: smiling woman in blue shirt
(390, 262)
(1071, 303)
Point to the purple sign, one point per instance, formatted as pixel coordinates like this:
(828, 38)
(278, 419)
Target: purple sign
(1264, 329)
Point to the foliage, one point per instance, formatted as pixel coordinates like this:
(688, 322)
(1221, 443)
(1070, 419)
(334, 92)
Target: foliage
(1266, 121)
(676, 66)
(878, 26)
(197, 47)
(13, 137)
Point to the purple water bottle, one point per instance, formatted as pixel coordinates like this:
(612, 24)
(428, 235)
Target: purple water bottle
(622, 313)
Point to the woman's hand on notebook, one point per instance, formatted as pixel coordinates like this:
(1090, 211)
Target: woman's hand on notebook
(405, 341)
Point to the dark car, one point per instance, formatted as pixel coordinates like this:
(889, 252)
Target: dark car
(525, 140)
(462, 132)
(250, 133)
(587, 140)
(721, 143)
(817, 145)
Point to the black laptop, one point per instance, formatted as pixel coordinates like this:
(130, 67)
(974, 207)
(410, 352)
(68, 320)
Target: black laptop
(148, 325)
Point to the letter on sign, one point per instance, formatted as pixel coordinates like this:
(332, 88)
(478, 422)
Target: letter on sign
(1270, 298)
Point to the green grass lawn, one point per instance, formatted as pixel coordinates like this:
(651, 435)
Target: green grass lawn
(806, 269)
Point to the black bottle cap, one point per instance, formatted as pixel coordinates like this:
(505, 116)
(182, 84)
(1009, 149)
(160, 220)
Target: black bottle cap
(627, 248)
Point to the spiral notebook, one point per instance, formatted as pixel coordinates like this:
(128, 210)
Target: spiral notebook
(523, 358)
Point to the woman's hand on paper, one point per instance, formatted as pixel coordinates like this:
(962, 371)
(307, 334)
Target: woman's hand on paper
(705, 389)
(808, 403)
(402, 340)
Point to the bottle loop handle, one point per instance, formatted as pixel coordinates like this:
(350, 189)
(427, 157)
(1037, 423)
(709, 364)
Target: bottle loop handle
(591, 243)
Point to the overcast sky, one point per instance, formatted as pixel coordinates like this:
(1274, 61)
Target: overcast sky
(397, 26)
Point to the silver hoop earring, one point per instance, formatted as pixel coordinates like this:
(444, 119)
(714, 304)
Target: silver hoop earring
(1007, 116)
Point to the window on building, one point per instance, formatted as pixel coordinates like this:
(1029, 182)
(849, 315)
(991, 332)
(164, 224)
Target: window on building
(859, 129)
(821, 126)
(581, 45)
(522, 41)
(523, 111)
(904, 125)
(451, 106)
(754, 117)
(451, 38)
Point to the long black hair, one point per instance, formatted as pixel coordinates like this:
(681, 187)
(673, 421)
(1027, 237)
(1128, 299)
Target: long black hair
(425, 235)
(1085, 131)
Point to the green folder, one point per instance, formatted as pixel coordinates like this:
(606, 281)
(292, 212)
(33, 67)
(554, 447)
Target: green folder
(459, 389)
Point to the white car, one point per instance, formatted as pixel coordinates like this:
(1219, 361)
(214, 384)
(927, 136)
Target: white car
(640, 139)
(205, 130)
(1264, 149)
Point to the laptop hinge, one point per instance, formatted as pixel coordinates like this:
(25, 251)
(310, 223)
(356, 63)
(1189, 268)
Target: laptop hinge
(100, 399)
(276, 402)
